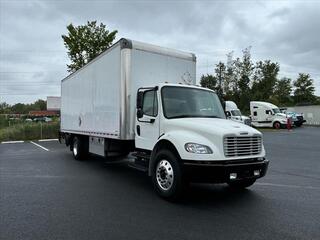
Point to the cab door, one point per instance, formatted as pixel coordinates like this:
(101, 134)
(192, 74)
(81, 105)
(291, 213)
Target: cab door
(269, 116)
(147, 118)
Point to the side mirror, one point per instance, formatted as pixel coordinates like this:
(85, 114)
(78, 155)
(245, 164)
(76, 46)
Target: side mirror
(223, 102)
(139, 113)
(228, 114)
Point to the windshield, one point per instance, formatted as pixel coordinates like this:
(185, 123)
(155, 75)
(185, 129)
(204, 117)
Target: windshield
(276, 110)
(180, 102)
(236, 112)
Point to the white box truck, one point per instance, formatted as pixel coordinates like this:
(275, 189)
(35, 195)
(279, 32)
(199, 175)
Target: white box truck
(234, 113)
(139, 100)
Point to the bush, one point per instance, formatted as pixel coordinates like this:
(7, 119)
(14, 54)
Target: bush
(30, 131)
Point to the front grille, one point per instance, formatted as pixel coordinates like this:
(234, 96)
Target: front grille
(300, 118)
(242, 146)
(247, 122)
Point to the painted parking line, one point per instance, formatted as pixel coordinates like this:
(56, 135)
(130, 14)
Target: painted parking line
(9, 142)
(287, 186)
(48, 140)
(38, 145)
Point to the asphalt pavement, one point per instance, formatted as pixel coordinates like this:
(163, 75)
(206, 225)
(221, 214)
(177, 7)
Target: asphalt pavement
(45, 194)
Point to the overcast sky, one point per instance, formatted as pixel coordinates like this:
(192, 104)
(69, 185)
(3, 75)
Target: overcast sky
(33, 58)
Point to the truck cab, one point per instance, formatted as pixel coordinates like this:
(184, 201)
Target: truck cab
(297, 118)
(264, 114)
(233, 112)
(184, 130)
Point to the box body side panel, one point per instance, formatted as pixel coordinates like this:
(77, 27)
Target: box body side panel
(90, 99)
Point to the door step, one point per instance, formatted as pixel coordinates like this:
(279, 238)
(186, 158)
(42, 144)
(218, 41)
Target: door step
(138, 167)
(141, 156)
(140, 162)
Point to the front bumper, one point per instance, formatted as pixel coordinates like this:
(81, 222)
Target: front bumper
(299, 122)
(219, 171)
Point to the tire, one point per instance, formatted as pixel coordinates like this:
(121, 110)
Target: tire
(241, 184)
(167, 176)
(276, 125)
(79, 148)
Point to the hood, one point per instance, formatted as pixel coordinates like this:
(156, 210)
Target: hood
(294, 114)
(215, 126)
(206, 131)
(244, 117)
(281, 115)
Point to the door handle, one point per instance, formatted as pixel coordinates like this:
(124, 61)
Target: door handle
(138, 130)
(151, 120)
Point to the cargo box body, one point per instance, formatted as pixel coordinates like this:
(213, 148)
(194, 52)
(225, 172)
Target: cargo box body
(100, 98)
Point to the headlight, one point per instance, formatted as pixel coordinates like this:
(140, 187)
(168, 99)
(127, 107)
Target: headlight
(197, 148)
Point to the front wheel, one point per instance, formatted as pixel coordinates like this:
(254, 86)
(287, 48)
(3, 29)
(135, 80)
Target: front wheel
(277, 125)
(167, 175)
(241, 184)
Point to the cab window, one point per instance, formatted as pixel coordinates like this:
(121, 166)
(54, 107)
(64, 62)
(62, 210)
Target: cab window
(150, 103)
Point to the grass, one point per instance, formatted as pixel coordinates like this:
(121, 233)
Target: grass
(29, 131)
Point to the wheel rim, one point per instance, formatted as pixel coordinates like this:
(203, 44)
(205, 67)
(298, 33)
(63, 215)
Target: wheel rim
(164, 175)
(75, 148)
(277, 125)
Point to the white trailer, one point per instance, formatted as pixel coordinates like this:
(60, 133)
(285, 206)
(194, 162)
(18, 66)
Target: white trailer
(53, 103)
(140, 101)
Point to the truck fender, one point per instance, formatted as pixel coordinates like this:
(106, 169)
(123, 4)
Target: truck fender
(161, 144)
(175, 140)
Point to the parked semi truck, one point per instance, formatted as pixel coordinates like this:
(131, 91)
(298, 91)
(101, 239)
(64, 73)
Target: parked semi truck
(297, 118)
(234, 113)
(265, 114)
(140, 102)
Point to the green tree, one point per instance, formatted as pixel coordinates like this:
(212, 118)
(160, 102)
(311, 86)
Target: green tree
(229, 77)
(246, 68)
(19, 108)
(304, 89)
(208, 81)
(264, 80)
(220, 72)
(214, 82)
(282, 92)
(39, 105)
(4, 108)
(85, 42)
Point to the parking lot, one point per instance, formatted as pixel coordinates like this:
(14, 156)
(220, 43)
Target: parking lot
(45, 194)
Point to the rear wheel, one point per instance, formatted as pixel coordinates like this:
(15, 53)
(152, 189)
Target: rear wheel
(241, 184)
(277, 125)
(167, 175)
(79, 148)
